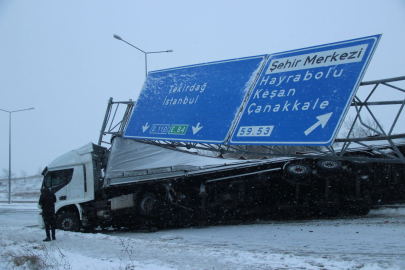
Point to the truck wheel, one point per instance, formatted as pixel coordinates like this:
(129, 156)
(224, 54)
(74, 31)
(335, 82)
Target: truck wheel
(361, 166)
(358, 210)
(363, 211)
(68, 221)
(148, 204)
(328, 166)
(298, 173)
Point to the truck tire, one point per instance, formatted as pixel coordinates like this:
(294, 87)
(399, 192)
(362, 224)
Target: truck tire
(328, 167)
(361, 166)
(68, 221)
(148, 204)
(358, 210)
(298, 173)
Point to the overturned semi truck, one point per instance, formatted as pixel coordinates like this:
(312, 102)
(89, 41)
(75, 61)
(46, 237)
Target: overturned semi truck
(148, 176)
(139, 184)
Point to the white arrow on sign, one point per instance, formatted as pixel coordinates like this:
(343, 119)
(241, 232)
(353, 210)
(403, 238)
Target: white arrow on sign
(196, 129)
(145, 127)
(323, 119)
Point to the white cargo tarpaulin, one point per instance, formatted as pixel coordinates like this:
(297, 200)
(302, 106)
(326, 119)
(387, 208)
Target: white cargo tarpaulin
(132, 161)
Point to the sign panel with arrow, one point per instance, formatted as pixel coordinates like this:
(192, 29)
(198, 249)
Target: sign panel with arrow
(301, 97)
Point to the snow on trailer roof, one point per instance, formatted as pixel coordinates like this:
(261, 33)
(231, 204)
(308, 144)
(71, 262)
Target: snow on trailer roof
(132, 161)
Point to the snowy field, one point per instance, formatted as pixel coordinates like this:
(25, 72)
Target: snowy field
(22, 189)
(376, 241)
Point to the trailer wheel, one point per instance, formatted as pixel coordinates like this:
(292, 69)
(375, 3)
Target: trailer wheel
(147, 204)
(68, 221)
(363, 211)
(365, 160)
(361, 166)
(328, 166)
(298, 173)
(358, 210)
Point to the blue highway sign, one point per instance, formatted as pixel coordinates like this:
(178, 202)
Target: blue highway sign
(301, 97)
(197, 103)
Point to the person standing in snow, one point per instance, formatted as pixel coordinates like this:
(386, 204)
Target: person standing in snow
(47, 202)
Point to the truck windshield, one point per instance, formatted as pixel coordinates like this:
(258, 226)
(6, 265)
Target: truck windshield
(57, 178)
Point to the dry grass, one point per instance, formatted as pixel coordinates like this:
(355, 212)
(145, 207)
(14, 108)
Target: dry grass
(31, 261)
(129, 250)
(34, 256)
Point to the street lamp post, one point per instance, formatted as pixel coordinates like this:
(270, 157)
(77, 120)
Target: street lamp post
(146, 53)
(9, 150)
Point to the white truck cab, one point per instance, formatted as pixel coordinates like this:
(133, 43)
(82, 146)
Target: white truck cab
(71, 178)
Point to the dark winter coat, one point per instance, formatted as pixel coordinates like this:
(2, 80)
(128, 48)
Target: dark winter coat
(47, 202)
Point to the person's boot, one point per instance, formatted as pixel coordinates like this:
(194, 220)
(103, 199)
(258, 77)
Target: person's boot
(53, 235)
(48, 236)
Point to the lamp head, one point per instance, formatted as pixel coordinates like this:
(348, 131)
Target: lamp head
(118, 37)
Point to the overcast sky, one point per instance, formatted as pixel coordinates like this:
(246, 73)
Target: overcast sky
(61, 58)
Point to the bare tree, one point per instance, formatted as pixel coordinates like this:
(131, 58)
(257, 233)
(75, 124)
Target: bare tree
(369, 127)
(23, 174)
(39, 173)
(5, 174)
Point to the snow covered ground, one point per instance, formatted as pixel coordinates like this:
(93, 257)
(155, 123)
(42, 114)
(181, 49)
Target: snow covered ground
(376, 241)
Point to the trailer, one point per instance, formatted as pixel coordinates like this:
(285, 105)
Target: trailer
(139, 184)
(146, 170)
